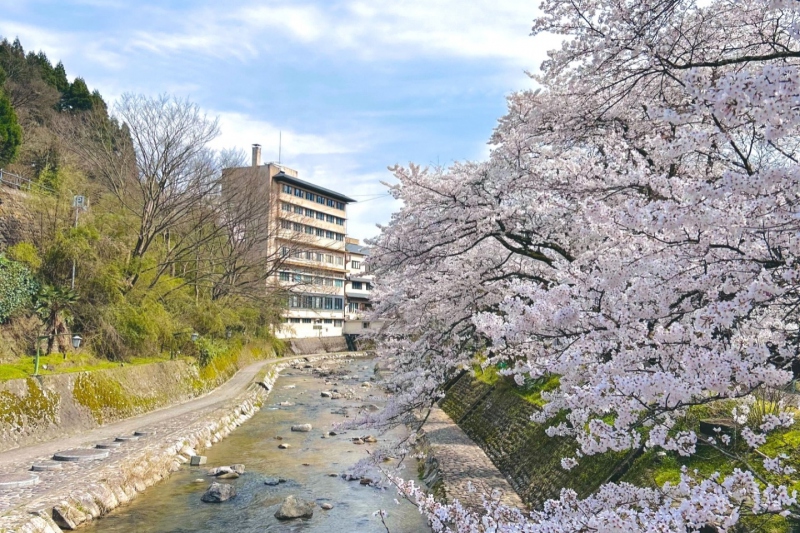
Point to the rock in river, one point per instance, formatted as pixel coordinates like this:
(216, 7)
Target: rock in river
(293, 507)
(305, 428)
(219, 492)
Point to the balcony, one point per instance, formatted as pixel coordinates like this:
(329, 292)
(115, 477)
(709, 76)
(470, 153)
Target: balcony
(350, 292)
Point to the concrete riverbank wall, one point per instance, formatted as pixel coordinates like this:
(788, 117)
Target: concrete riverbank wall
(38, 409)
(499, 421)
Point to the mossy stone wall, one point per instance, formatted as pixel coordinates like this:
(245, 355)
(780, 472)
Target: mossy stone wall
(37, 409)
(499, 421)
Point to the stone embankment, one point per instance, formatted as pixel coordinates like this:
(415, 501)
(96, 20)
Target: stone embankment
(65, 494)
(499, 421)
(456, 468)
(40, 409)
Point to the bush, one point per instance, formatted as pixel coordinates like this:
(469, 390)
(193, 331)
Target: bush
(17, 287)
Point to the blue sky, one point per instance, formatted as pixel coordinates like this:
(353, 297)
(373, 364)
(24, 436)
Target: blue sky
(355, 86)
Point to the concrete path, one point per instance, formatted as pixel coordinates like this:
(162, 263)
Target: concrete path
(163, 421)
(462, 462)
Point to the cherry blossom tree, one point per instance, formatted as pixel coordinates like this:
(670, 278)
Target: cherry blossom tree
(636, 232)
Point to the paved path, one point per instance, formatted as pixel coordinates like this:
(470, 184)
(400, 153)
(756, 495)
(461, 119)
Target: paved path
(462, 462)
(162, 422)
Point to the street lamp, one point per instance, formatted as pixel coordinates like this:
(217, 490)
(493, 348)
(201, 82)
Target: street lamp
(194, 336)
(76, 343)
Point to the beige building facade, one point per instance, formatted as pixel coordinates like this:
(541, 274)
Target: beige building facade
(308, 228)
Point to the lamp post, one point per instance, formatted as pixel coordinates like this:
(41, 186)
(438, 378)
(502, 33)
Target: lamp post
(76, 343)
(194, 336)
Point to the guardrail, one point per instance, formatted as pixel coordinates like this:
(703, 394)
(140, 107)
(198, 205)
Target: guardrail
(20, 183)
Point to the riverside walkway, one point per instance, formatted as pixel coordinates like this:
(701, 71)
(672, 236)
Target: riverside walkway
(462, 464)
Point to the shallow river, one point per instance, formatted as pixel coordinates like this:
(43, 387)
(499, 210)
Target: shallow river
(174, 505)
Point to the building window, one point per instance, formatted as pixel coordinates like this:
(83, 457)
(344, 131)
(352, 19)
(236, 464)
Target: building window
(284, 251)
(340, 206)
(328, 303)
(320, 232)
(284, 276)
(298, 210)
(357, 285)
(320, 200)
(320, 216)
(306, 321)
(285, 224)
(352, 307)
(310, 213)
(339, 237)
(286, 207)
(340, 260)
(287, 189)
(328, 258)
(337, 323)
(365, 325)
(369, 286)
(331, 203)
(355, 264)
(329, 321)
(310, 196)
(319, 257)
(299, 193)
(294, 320)
(340, 221)
(338, 304)
(309, 230)
(338, 283)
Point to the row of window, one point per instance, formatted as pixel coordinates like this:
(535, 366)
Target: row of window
(311, 230)
(296, 209)
(327, 303)
(308, 278)
(313, 256)
(300, 193)
(359, 286)
(334, 322)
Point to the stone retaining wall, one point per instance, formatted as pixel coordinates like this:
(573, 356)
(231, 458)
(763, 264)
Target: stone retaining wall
(16, 220)
(499, 422)
(39, 409)
(120, 482)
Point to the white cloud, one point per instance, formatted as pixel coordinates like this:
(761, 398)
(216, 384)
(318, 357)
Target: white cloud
(375, 30)
(240, 131)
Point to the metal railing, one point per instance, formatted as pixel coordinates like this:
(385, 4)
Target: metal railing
(20, 183)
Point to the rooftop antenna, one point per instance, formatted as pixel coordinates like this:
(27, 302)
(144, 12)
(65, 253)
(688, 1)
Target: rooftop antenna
(280, 138)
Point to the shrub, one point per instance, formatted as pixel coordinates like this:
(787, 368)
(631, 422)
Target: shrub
(17, 287)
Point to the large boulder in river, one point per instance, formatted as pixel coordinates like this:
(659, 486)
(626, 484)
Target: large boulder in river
(219, 492)
(293, 507)
(305, 428)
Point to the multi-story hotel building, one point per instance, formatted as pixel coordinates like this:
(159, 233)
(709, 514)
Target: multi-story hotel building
(308, 227)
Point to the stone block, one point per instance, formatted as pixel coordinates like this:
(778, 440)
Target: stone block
(198, 460)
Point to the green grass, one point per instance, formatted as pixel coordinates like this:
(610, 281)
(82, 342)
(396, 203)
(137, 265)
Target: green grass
(530, 392)
(56, 364)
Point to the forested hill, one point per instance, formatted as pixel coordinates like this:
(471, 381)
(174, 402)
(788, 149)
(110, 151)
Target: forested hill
(32, 93)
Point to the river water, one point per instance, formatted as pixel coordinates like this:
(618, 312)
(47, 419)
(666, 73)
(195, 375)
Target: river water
(174, 506)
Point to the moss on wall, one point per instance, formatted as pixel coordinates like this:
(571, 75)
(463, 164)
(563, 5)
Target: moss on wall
(38, 405)
(498, 419)
(107, 400)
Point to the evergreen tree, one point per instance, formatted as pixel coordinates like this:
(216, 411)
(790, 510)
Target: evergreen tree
(78, 97)
(10, 132)
(60, 77)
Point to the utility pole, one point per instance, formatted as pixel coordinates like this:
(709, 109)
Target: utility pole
(78, 202)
